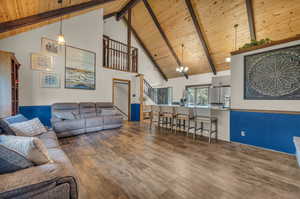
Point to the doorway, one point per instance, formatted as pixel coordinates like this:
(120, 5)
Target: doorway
(121, 95)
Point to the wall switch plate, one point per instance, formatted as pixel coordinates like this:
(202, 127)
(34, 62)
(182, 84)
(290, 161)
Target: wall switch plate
(243, 133)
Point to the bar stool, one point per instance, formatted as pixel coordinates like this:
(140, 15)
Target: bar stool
(182, 115)
(167, 116)
(204, 117)
(154, 115)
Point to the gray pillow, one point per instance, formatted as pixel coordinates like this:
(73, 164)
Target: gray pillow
(5, 122)
(65, 115)
(31, 148)
(11, 161)
(29, 128)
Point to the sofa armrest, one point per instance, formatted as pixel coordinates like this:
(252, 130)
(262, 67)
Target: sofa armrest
(65, 187)
(34, 176)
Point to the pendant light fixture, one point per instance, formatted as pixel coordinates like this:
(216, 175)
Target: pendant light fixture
(60, 38)
(182, 69)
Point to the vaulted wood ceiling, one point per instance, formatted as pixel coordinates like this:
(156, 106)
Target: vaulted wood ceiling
(274, 19)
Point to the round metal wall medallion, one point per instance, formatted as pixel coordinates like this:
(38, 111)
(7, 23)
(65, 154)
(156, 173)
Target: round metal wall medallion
(276, 74)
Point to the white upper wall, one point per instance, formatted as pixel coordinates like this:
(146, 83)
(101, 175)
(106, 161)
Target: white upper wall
(117, 30)
(83, 31)
(237, 83)
(178, 84)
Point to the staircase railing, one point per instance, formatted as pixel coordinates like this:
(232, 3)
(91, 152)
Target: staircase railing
(149, 90)
(122, 112)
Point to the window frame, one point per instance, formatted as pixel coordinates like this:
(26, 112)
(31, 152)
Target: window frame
(208, 86)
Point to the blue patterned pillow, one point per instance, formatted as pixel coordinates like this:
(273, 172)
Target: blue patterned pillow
(11, 161)
(5, 122)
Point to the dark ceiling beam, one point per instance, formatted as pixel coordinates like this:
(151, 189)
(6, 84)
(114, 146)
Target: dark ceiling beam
(201, 36)
(22, 22)
(250, 14)
(145, 49)
(109, 15)
(161, 31)
(125, 9)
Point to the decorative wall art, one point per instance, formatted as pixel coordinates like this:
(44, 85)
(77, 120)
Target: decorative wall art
(41, 62)
(80, 69)
(49, 80)
(51, 47)
(273, 75)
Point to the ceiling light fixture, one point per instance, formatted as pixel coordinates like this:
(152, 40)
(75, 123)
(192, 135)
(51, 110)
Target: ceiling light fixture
(182, 69)
(60, 38)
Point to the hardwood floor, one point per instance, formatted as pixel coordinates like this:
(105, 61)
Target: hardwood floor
(133, 162)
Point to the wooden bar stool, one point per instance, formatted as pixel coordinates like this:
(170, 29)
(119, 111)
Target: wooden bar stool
(167, 116)
(207, 122)
(182, 116)
(155, 115)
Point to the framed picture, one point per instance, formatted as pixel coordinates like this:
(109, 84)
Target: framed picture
(51, 47)
(273, 75)
(41, 62)
(49, 80)
(80, 69)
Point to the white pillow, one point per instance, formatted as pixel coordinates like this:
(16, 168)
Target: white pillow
(31, 148)
(29, 128)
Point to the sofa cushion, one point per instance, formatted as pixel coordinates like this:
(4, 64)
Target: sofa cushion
(109, 112)
(5, 122)
(30, 148)
(32, 127)
(94, 121)
(11, 161)
(65, 115)
(72, 108)
(87, 110)
(49, 139)
(68, 125)
(113, 119)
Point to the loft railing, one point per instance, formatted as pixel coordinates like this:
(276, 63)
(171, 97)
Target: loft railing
(115, 56)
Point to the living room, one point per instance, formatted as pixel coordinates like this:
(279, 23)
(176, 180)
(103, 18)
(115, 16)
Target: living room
(149, 99)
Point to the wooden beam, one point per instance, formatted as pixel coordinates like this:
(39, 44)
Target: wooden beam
(18, 23)
(161, 31)
(145, 49)
(109, 15)
(201, 36)
(129, 41)
(251, 19)
(125, 9)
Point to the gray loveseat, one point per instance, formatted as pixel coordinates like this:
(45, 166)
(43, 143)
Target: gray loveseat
(53, 180)
(69, 119)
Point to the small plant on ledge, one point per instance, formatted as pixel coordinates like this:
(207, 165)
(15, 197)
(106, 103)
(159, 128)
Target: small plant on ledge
(256, 43)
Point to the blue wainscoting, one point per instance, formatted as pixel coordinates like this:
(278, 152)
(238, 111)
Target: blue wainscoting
(135, 112)
(42, 112)
(268, 130)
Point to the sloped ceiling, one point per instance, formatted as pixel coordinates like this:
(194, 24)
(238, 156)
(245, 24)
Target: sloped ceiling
(274, 19)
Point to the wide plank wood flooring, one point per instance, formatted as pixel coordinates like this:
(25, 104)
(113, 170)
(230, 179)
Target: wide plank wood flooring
(134, 162)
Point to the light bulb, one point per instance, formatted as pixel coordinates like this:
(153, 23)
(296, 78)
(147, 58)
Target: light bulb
(186, 69)
(228, 59)
(61, 39)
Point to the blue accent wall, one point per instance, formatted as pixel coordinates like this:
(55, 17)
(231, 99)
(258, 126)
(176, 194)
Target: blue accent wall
(135, 112)
(42, 112)
(268, 130)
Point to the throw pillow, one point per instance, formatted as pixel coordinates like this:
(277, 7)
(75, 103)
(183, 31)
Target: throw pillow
(65, 115)
(5, 122)
(11, 161)
(31, 148)
(32, 127)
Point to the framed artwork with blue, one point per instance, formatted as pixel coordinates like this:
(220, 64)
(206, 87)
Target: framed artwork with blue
(80, 70)
(49, 80)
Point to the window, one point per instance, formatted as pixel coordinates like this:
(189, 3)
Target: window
(198, 95)
(163, 95)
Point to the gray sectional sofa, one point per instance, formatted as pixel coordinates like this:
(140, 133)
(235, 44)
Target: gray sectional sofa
(53, 180)
(57, 179)
(69, 119)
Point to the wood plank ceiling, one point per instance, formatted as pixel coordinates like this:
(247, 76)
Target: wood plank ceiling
(274, 19)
